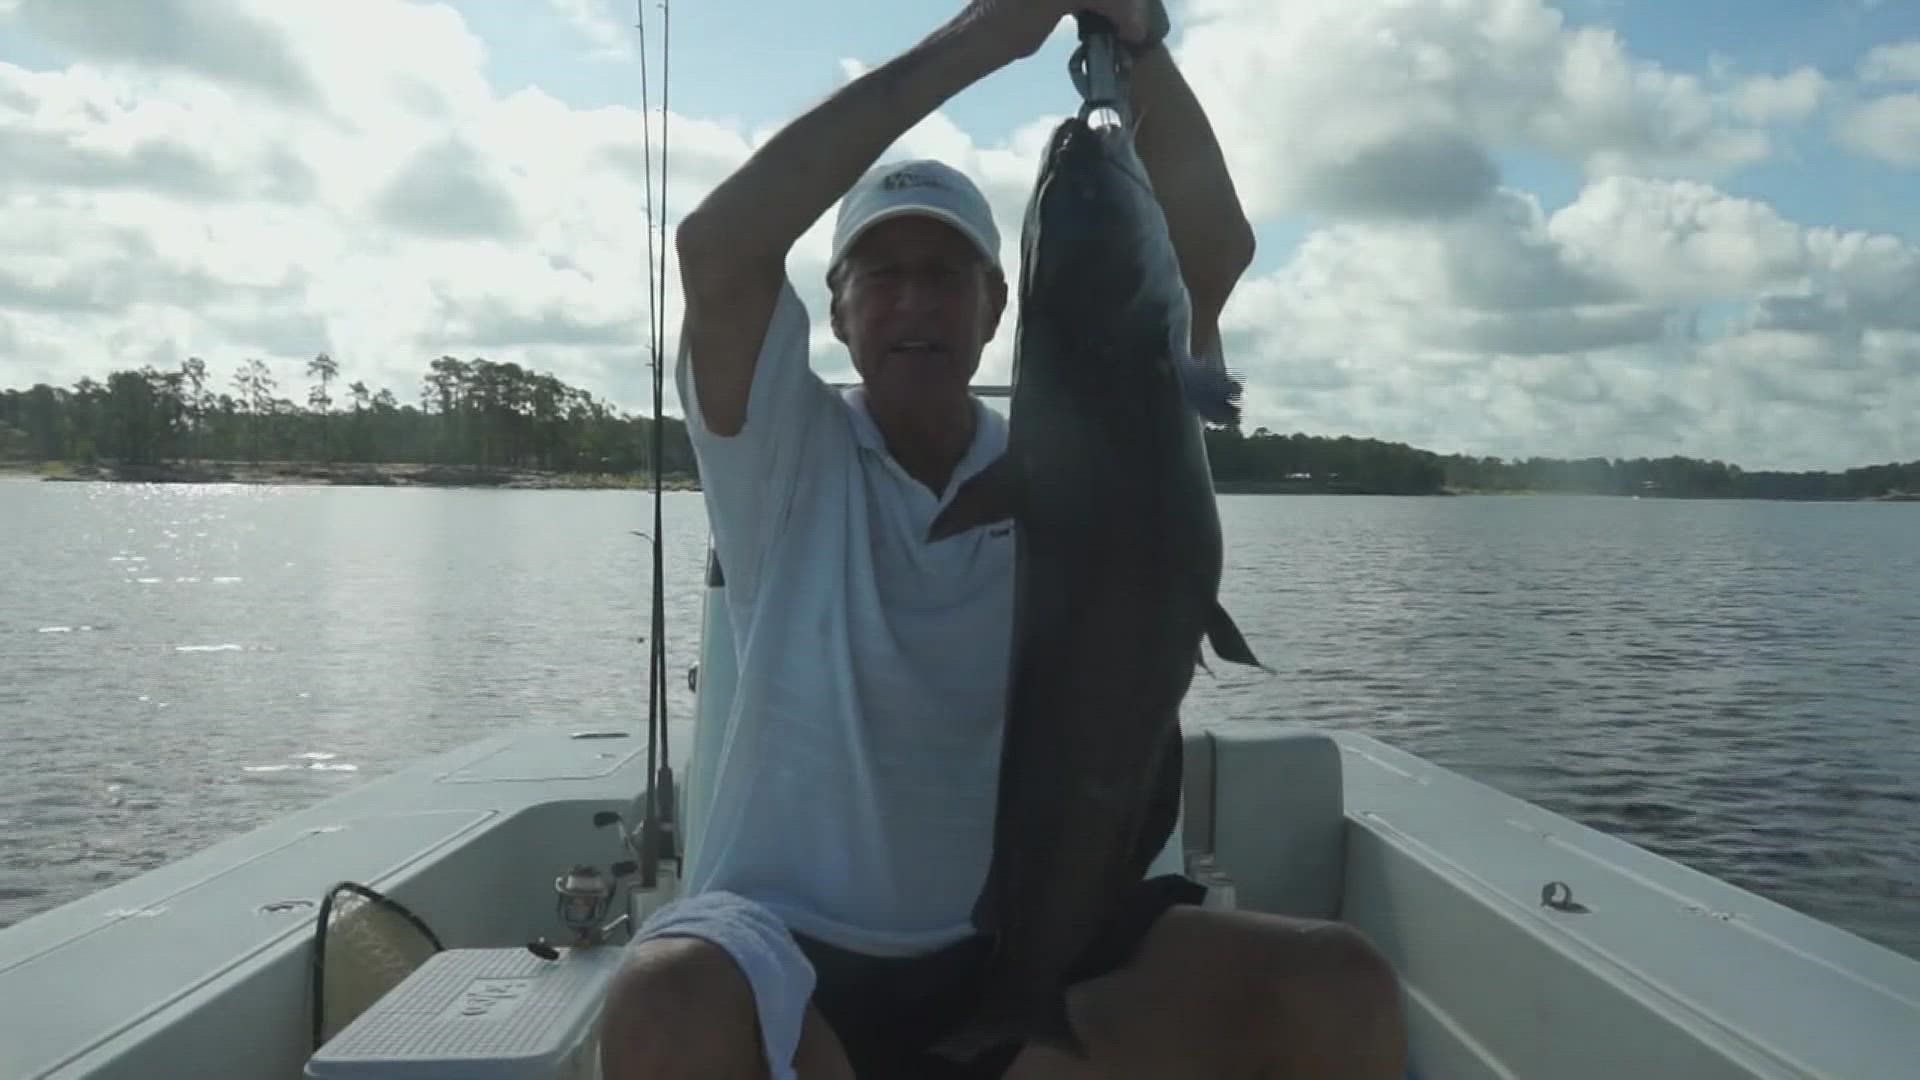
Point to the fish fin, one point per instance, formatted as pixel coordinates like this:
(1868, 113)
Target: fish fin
(1161, 811)
(1228, 643)
(1212, 391)
(1056, 1031)
(989, 496)
(986, 906)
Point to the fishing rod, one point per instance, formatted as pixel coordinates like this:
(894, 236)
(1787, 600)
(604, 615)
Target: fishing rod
(584, 891)
(658, 839)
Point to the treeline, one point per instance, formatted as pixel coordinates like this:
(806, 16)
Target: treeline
(480, 413)
(469, 412)
(1316, 463)
(1677, 477)
(1370, 466)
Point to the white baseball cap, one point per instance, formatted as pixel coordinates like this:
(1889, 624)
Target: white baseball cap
(925, 187)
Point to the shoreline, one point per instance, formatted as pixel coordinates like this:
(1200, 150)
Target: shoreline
(1303, 487)
(308, 473)
(392, 474)
(1312, 487)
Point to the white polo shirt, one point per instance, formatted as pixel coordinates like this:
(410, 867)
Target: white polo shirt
(854, 788)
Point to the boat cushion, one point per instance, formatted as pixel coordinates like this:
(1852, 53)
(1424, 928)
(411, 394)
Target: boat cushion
(1195, 830)
(1279, 818)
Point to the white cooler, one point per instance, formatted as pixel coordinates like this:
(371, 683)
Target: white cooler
(480, 1014)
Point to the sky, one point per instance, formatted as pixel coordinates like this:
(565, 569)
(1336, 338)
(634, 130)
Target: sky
(1499, 227)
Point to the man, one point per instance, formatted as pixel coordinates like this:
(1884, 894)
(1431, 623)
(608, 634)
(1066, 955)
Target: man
(825, 931)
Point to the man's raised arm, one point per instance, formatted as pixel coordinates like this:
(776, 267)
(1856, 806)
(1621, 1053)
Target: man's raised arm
(1211, 235)
(733, 246)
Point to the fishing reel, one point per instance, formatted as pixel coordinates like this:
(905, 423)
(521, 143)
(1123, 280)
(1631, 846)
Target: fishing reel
(582, 897)
(656, 840)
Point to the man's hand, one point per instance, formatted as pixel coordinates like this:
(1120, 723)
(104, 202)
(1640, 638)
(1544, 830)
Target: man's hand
(1024, 25)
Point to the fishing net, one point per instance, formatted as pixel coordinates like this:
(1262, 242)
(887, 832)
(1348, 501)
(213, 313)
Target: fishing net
(365, 944)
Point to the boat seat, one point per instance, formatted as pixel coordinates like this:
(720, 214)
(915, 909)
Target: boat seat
(1269, 804)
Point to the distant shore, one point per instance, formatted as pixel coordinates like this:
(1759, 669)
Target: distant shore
(474, 476)
(1314, 487)
(1309, 487)
(345, 475)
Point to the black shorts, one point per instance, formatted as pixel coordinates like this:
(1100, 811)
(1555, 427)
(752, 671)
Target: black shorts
(887, 1010)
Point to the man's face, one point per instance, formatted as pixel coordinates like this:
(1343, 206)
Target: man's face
(915, 307)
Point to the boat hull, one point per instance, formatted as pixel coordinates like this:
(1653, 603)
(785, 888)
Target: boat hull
(197, 968)
(202, 967)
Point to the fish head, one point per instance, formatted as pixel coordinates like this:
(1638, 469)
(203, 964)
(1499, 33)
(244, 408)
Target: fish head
(1094, 203)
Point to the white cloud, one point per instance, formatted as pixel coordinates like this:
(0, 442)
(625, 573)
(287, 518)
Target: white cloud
(1893, 62)
(205, 37)
(1513, 332)
(1331, 108)
(1886, 128)
(343, 178)
(1679, 241)
(1766, 99)
(595, 21)
(175, 203)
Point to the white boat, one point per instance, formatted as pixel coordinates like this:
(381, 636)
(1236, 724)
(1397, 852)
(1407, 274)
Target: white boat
(1531, 946)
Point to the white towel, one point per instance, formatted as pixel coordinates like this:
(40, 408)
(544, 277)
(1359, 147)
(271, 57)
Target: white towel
(781, 975)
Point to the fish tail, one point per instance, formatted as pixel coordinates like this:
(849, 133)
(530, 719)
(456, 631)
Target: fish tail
(1213, 392)
(977, 1037)
(1052, 1027)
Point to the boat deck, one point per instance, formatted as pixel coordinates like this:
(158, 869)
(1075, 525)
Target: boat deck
(202, 963)
(1642, 968)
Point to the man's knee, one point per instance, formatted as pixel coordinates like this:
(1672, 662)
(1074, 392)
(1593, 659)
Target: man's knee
(1355, 995)
(1290, 958)
(680, 1007)
(1355, 961)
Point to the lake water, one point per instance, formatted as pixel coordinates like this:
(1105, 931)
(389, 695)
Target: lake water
(1735, 685)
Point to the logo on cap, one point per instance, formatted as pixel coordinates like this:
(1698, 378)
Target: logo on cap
(910, 177)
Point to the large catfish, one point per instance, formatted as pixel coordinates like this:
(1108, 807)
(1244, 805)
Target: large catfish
(1118, 571)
